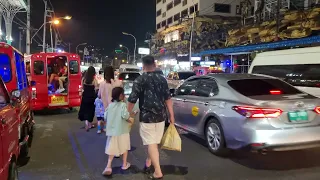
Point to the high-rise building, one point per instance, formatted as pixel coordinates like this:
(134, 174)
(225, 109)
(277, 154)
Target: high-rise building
(171, 12)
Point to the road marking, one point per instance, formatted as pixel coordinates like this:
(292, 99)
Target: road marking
(48, 129)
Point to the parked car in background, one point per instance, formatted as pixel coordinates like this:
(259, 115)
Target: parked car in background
(127, 79)
(233, 111)
(175, 79)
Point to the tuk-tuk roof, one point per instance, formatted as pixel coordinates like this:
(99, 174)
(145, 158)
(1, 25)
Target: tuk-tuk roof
(56, 54)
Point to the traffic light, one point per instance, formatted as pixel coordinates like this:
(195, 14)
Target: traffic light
(118, 51)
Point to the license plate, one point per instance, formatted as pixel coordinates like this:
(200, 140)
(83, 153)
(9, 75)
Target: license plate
(298, 116)
(130, 84)
(57, 100)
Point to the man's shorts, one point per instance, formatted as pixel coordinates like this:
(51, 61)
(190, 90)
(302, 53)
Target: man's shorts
(151, 133)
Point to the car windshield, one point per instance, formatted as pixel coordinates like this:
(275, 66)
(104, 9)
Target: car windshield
(261, 87)
(128, 76)
(185, 75)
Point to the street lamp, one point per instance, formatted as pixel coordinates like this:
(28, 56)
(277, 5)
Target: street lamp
(81, 44)
(135, 45)
(128, 52)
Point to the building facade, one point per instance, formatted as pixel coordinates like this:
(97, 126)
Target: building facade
(172, 12)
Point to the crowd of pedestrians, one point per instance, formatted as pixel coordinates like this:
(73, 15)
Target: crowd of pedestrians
(115, 114)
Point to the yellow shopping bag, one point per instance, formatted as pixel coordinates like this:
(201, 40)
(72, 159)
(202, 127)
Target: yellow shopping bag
(171, 139)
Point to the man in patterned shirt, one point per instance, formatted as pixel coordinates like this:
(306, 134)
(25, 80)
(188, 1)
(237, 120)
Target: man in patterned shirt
(152, 90)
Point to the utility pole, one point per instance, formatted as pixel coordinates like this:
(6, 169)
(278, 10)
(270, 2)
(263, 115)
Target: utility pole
(45, 25)
(56, 41)
(20, 39)
(278, 18)
(28, 40)
(69, 47)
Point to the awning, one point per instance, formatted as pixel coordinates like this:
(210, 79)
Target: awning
(263, 46)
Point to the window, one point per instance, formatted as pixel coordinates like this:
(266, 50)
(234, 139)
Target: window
(164, 14)
(306, 75)
(185, 2)
(185, 75)
(188, 87)
(169, 6)
(38, 67)
(158, 26)
(4, 96)
(170, 76)
(222, 8)
(176, 2)
(21, 71)
(28, 67)
(128, 76)
(176, 17)
(163, 24)
(5, 68)
(238, 10)
(262, 87)
(184, 13)
(193, 7)
(73, 67)
(159, 13)
(169, 21)
(158, 1)
(207, 88)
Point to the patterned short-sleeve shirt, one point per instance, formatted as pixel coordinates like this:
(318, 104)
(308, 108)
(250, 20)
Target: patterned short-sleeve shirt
(152, 91)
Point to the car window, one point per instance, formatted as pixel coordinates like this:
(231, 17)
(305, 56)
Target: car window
(188, 87)
(307, 75)
(38, 67)
(175, 76)
(73, 67)
(262, 87)
(5, 66)
(132, 69)
(207, 88)
(128, 76)
(185, 75)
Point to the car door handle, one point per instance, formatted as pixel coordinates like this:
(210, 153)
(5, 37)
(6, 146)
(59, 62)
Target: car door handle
(184, 100)
(206, 103)
(3, 121)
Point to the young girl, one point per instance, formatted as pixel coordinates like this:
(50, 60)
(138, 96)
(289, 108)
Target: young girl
(99, 111)
(118, 142)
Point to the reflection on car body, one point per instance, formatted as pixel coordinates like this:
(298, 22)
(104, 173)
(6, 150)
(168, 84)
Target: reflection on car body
(175, 79)
(233, 111)
(127, 79)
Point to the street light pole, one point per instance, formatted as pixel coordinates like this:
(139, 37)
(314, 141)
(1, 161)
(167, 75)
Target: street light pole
(128, 52)
(135, 45)
(51, 34)
(191, 35)
(44, 28)
(28, 40)
(81, 44)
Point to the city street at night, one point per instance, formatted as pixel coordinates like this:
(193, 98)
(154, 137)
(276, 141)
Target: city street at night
(62, 150)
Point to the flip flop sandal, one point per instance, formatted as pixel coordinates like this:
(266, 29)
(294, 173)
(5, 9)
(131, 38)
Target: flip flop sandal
(107, 172)
(126, 167)
(152, 177)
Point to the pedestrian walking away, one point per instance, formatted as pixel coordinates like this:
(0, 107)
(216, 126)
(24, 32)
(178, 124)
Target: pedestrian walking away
(118, 138)
(99, 114)
(152, 90)
(87, 108)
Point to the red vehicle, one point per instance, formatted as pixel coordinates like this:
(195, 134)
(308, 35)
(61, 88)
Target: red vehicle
(13, 73)
(9, 133)
(55, 79)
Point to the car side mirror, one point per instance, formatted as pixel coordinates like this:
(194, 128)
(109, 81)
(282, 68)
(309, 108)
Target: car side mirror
(33, 83)
(172, 92)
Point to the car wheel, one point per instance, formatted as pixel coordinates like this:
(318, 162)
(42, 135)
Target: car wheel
(215, 138)
(13, 171)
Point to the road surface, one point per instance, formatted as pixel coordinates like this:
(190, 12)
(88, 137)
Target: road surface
(62, 150)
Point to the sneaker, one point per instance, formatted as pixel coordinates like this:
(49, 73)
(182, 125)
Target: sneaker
(99, 132)
(60, 90)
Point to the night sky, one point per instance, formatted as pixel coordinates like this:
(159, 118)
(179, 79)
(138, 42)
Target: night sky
(98, 22)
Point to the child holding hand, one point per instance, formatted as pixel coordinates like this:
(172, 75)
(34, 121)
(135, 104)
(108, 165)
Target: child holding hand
(117, 131)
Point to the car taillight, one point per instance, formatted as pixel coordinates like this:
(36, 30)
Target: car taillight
(80, 90)
(275, 92)
(34, 93)
(256, 112)
(120, 79)
(317, 109)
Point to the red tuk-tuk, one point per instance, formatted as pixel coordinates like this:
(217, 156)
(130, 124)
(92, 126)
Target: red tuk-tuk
(9, 132)
(56, 79)
(13, 73)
